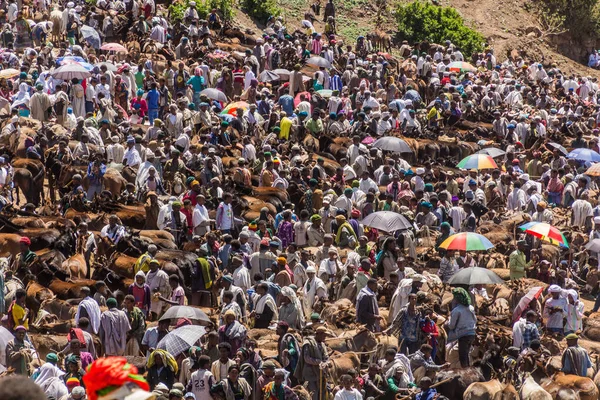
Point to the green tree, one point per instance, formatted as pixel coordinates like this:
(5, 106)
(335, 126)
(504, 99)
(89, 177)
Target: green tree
(261, 9)
(421, 20)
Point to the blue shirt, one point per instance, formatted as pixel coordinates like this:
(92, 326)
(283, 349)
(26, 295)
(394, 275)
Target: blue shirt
(197, 83)
(152, 99)
(287, 104)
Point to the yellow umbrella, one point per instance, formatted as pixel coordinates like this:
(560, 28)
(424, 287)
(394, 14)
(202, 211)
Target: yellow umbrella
(9, 73)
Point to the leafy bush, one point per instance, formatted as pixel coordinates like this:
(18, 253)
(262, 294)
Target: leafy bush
(261, 9)
(225, 7)
(420, 20)
(177, 9)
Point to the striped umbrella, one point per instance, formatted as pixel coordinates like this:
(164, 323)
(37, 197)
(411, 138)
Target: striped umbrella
(477, 161)
(546, 232)
(594, 170)
(461, 66)
(467, 241)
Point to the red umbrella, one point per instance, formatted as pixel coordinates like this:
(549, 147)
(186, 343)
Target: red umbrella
(297, 98)
(533, 294)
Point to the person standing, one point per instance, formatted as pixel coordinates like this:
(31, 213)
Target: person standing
(158, 281)
(575, 359)
(313, 361)
(367, 309)
(555, 310)
(114, 326)
(19, 352)
(461, 325)
(517, 261)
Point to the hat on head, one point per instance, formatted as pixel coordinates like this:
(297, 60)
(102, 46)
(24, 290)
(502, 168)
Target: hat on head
(52, 357)
(554, 289)
(572, 336)
(26, 240)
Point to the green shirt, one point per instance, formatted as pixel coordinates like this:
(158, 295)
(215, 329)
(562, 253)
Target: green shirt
(314, 126)
(517, 265)
(139, 79)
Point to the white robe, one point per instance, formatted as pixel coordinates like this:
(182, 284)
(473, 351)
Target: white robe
(93, 311)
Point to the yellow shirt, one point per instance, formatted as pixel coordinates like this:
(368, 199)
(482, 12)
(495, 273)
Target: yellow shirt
(18, 313)
(286, 126)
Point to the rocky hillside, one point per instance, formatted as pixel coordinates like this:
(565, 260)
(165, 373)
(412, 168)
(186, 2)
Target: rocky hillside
(509, 25)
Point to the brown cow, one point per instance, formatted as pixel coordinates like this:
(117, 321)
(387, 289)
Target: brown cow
(362, 341)
(69, 290)
(342, 363)
(490, 390)
(77, 266)
(36, 295)
(584, 386)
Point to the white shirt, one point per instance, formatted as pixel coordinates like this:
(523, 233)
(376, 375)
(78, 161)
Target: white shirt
(133, 157)
(199, 215)
(200, 384)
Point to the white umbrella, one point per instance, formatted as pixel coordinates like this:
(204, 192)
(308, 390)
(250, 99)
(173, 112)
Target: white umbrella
(109, 66)
(391, 143)
(195, 314)
(492, 152)
(214, 94)
(181, 339)
(475, 276)
(387, 221)
(5, 337)
(283, 73)
(318, 62)
(71, 71)
(268, 76)
(593, 245)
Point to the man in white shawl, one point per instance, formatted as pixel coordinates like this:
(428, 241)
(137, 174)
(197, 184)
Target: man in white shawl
(265, 309)
(50, 378)
(314, 290)
(114, 326)
(88, 308)
(241, 274)
(400, 298)
(158, 281)
(78, 99)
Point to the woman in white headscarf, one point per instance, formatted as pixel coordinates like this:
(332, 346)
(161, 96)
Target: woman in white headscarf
(575, 310)
(22, 96)
(291, 308)
(50, 380)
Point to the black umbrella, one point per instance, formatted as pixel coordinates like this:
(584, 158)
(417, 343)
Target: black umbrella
(475, 276)
(191, 313)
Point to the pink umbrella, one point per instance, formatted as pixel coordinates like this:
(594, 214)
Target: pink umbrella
(114, 47)
(297, 98)
(533, 294)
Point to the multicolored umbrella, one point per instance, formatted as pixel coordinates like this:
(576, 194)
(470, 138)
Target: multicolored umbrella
(467, 241)
(477, 161)
(461, 66)
(546, 232)
(584, 155)
(232, 107)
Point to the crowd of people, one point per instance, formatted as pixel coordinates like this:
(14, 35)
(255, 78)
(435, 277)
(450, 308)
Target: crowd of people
(202, 133)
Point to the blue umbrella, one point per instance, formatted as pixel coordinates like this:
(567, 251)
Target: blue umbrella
(91, 36)
(61, 60)
(584, 155)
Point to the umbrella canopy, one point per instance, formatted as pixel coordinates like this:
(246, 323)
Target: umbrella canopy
(109, 66)
(283, 73)
(393, 144)
(91, 36)
(546, 232)
(268, 76)
(468, 241)
(181, 339)
(492, 152)
(214, 94)
(5, 337)
(386, 221)
(9, 73)
(461, 66)
(475, 276)
(71, 71)
(584, 155)
(317, 61)
(191, 313)
(593, 245)
(594, 170)
(68, 61)
(532, 294)
(231, 108)
(297, 98)
(326, 93)
(559, 147)
(114, 47)
(477, 161)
